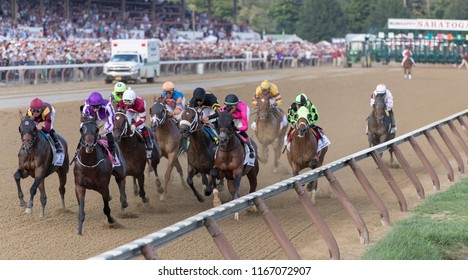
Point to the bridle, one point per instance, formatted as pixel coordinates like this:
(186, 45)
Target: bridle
(156, 120)
(194, 124)
(301, 127)
(28, 143)
(123, 131)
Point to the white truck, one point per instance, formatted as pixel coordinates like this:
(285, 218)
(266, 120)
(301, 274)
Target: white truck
(133, 60)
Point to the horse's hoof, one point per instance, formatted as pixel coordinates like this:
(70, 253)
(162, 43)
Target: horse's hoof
(28, 210)
(110, 197)
(200, 198)
(22, 203)
(158, 183)
(236, 216)
(162, 197)
(124, 205)
(145, 200)
(160, 189)
(216, 200)
(275, 170)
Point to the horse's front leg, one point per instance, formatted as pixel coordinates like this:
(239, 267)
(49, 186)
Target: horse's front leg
(32, 192)
(190, 175)
(123, 195)
(18, 176)
(43, 199)
(80, 197)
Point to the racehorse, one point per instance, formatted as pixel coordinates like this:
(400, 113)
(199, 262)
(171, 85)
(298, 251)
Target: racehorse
(168, 137)
(407, 67)
(302, 152)
(36, 160)
(230, 155)
(93, 170)
(379, 124)
(200, 153)
(134, 152)
(269, 131)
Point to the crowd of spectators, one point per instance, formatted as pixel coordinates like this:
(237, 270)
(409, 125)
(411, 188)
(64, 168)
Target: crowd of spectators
(85, 38)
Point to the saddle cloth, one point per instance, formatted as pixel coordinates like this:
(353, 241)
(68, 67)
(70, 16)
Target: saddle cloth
(57, 159)
(115, 161)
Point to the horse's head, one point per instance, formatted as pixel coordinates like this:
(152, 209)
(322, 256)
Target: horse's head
(28, 132)
(379, 107)
(264, 106)
(302, 124)
(89, 133)
(158, 115)
(121, 125)
(189, 122)
(226, 128)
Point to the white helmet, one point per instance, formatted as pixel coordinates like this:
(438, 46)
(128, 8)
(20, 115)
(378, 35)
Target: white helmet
(129, 96)
(380, 89)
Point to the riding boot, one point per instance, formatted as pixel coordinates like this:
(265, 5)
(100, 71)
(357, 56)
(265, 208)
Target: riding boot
(111, 144)
(58, 145)
(251, 149)
(148, 143)
(392, 120)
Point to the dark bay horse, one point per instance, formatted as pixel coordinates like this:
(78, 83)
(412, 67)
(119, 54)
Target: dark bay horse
(93, 171)
(36, 160)
(407, 67)
(134, 152)
(168, 138)
(269, 131)
(379, 124)
(230, 155)
(200, 153)
(302, 152)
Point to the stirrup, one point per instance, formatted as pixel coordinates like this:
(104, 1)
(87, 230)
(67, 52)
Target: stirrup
(149, 154)
(116, 162)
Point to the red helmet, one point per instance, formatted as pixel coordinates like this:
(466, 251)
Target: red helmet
(36, 104)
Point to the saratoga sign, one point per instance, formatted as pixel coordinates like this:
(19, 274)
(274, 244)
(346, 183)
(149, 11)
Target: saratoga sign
(428, 24)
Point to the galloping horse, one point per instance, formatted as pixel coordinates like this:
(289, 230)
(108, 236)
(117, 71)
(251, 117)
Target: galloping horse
(134, 152)
(407, 67)
(168, 137)
(200, 152)
(93, 170)
(269, 131)
(230, 155)
(36, 160)
(379, 124)
(302, 152)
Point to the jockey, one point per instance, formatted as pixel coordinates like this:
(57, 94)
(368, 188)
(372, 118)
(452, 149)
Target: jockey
(97, 106)
(207, 106)
(275, 96)
(407, 54)
(301, 100)
(135, 108)
(382, 89)
(116, 95)
(41, 111)
(173, 99)
(240, 113)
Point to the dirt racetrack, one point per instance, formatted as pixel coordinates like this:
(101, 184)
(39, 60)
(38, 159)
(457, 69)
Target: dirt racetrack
(342, 98)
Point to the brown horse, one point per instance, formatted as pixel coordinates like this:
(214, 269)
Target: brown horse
(134, 152)
(269, 131)
(379, 124)
(93, 170)
(200, 153)
(407, 67)
(36, 160)
(230, 155)
(168, 137)
(302, 152)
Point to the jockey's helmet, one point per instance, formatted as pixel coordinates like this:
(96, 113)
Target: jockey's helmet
(231, 99)
(168, 86)
(265, 85)
(381, 89)
(94, 99)
(36, 104)
(129, 96)
(301, 99)
(119, 88)
(199, 94)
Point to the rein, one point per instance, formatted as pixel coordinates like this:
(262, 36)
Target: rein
(194, 124)
(123, 133)
(159, 121)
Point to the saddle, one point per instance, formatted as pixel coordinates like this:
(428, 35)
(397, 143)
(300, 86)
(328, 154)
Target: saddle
(57, 159)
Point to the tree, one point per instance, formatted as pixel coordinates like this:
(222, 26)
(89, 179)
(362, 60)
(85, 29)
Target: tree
(385, 9)
(284, 13)
(320, 20)
(357, 14)
(457, 10)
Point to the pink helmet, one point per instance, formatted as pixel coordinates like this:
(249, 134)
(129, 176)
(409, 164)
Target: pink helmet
(95, 98)
(36, 104)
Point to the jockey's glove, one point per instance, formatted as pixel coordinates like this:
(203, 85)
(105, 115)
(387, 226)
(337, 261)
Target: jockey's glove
(133, 127)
